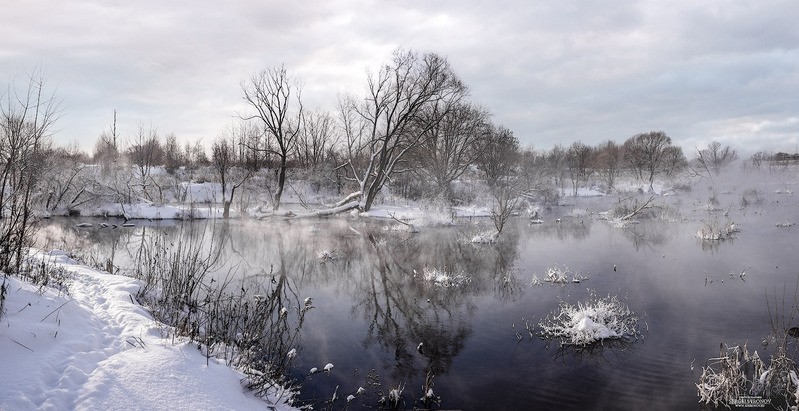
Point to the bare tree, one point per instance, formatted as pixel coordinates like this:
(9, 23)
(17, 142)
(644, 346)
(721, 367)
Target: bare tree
(674, 161)
(145, 152)
(226, 163)
(316, 138)
(174, 158)
(646, 154)
(388, 124)
(714, 159)
(26, 119)
(500, 155)
(452, 145)
(106, 150)
(608, 161)
(578, 158)
(557, 164)
(66, 182)
(278, 106)
(505, 196)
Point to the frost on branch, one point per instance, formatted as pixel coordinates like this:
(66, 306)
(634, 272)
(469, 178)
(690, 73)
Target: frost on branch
(592, 321)
(738, 373)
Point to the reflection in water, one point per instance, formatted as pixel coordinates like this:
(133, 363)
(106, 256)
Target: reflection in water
(649, 236)
(713, 246)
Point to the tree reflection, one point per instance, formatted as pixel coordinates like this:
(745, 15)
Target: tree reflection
(423, 325)
(645, 236)
(577, 228)
(407, 317)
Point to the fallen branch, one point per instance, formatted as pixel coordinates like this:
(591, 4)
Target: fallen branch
(645, 205)
(329, 211)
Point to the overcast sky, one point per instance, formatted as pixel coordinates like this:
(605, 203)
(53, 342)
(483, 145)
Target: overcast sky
(553, 72)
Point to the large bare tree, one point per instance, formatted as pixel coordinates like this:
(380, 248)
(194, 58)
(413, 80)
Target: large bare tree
(382, 128)
(646, 154)
(500, 155)
(452, 145)
(277, 103)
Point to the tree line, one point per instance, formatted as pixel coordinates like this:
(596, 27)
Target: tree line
(414, 128)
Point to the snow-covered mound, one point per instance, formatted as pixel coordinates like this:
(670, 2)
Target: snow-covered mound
(96, 348)
(590, 322)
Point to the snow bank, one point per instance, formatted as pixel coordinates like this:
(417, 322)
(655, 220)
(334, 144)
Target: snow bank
(95, 348)
(144, 210)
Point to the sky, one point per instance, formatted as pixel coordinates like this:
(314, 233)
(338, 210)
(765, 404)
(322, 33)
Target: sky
(552, 72)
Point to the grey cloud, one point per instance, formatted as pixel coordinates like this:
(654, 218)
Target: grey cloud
(550, 71)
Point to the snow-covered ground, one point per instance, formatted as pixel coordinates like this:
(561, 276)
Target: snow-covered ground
(93, 347)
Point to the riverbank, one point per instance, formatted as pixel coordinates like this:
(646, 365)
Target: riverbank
(89, 345)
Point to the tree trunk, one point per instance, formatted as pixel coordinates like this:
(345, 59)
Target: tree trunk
(281, 180)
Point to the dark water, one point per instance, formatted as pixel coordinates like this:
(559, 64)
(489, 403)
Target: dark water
(373, 306)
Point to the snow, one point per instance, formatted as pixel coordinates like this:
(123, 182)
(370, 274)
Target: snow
(587, 329)
(445, 278)
(585, 192)
(95, 348)
(586, 323)
(150, 211)
(202, 192)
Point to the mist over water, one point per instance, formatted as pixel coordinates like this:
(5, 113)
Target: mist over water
(375, 304)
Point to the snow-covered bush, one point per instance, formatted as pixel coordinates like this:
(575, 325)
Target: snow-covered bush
(558, 275)
(714, 231)
(590, 322)
(445, 277)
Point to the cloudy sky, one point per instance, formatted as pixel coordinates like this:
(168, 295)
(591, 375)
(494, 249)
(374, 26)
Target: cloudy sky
(553, 72)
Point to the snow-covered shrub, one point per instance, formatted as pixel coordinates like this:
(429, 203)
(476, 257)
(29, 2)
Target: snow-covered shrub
(590, 322)
(558, 275)
(445, 277)
(714, 231)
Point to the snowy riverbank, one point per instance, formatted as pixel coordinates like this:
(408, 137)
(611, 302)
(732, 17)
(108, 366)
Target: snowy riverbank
(93, 347)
